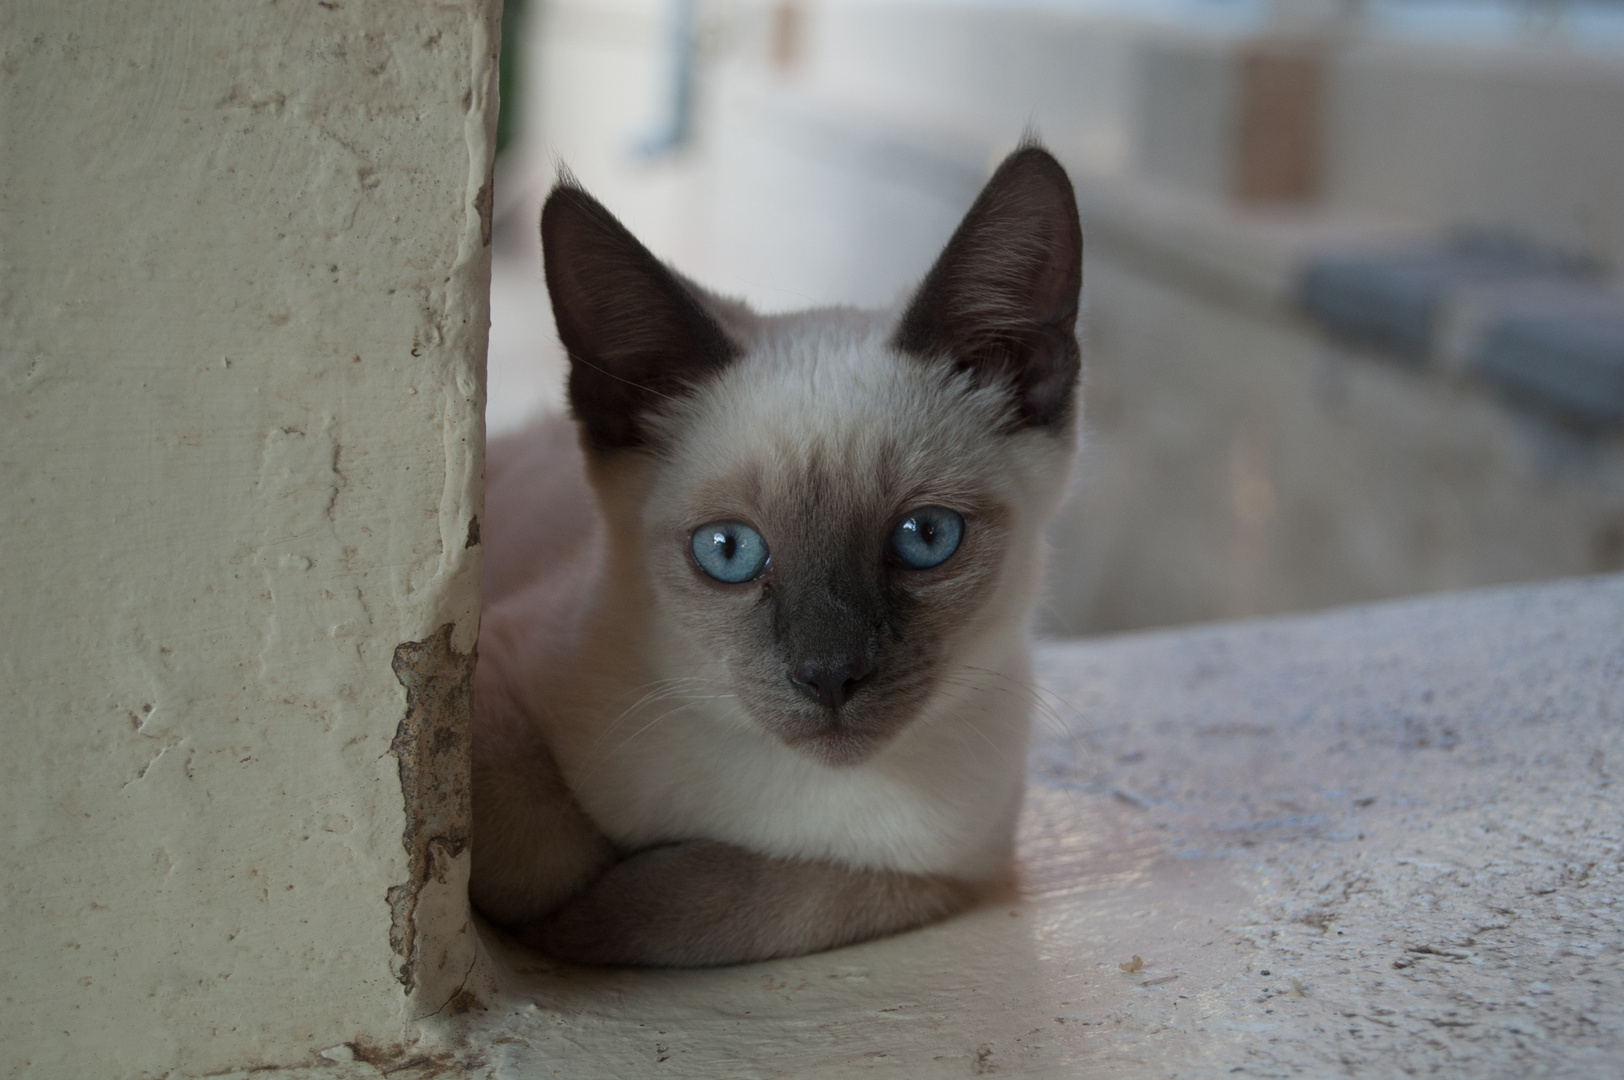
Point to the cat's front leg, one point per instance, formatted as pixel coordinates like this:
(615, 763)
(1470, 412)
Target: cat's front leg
(701, 903)
(533, 845)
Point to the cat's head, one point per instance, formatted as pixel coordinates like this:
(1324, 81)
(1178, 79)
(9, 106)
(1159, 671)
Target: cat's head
(830, 513)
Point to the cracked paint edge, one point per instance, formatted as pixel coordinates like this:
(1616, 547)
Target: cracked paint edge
(431, 747)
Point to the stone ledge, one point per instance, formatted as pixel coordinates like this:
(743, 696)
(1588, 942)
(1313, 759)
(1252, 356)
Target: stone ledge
(1376, 840)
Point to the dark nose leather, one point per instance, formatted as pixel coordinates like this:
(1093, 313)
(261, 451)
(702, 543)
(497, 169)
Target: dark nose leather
(831, 682)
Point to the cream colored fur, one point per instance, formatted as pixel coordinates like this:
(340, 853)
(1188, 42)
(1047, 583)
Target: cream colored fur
(638, 710)
(674, 768)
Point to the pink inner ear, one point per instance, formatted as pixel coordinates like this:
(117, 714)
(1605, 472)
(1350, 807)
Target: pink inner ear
(1002, 298)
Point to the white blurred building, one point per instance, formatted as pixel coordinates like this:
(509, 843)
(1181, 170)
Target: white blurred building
(1240, 460)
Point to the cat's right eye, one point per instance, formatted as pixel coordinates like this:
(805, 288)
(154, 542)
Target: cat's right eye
(927, 536)
(730, 551)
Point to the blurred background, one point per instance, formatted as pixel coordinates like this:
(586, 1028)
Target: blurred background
(1352, 325)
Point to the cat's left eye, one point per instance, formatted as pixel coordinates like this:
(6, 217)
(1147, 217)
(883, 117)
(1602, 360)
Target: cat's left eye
(730, 551)
(927, 536)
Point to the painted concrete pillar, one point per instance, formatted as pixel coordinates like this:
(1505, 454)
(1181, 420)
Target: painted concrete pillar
(243, 307)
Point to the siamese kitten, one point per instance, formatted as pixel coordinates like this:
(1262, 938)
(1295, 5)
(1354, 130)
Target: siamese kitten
(753, 661)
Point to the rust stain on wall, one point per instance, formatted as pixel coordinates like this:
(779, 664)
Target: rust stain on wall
(432, 748)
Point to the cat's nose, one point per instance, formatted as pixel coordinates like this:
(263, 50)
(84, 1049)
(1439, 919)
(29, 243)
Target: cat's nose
(831, 682)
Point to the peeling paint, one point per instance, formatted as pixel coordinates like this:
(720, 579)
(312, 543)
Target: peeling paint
(431, 747)
(419, 1062)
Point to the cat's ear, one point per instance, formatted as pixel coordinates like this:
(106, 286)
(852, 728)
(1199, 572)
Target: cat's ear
(1001, 301)
(635, 333)
(739, 322)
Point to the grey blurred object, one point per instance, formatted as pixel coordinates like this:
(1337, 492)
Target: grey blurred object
(1566, 351)
(1393, 299)
(1540, 325)
(673, 128)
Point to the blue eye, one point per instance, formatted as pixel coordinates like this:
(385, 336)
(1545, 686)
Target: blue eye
(927, 536)
(729, 551)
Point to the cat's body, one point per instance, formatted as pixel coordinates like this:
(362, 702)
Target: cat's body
(676, 767)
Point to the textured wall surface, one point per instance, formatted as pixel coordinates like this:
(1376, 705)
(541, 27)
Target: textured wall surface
(243, 271)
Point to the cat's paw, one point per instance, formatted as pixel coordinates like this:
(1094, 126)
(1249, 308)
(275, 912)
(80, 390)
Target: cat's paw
(580, 932)
(635, 914)
(700, 903)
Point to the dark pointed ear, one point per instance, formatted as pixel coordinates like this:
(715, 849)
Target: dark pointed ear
(1001, 301)
(636, 336)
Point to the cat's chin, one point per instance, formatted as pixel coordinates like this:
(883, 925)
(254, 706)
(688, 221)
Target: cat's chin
(849, 737)
(837, 747)
(835, 744)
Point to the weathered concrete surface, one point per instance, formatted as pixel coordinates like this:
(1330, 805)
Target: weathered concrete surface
(243, 273)
(1381, 841)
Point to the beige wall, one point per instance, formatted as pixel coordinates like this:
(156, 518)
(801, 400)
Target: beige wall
(243, 274)
(1526, 141)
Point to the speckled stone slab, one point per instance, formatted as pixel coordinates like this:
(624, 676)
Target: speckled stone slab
(1378, 841)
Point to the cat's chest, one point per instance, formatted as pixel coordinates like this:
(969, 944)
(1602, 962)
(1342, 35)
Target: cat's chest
(942, 800)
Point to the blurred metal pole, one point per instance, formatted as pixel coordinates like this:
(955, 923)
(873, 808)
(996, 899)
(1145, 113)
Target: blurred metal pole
(672, 129)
